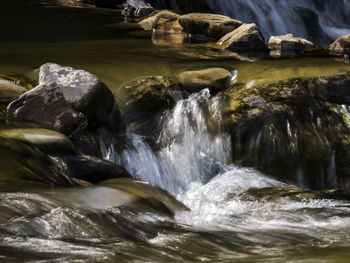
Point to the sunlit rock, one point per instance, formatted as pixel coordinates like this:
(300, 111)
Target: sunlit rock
(341, 46)
(84, 91)
(247, 37)
(214, 78)
(289, 43)
(167, 21)
(47, 106)
(209, 25)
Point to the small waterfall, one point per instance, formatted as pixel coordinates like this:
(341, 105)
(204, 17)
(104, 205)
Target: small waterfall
(187, 152)
(317, 20)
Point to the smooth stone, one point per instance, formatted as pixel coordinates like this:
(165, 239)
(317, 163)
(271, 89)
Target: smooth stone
(47, 106)
(45, 139)
(341, 45)
(167, 21)
(209, 25)
(215, 78)
(247, 37)
(93, 169)
(10, 91)
(84, 91)
(289, 42)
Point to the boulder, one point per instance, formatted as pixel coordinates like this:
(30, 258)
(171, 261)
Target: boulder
(295, 129)
(209, 25)
(47, 106)
(93, 169)
(47, 140)
(145, 97)
(216, 79)
(84, 91)
(137, 9)
(147, 23)
(247, 37)
(167, 21)
(289, 43)
(341, 45)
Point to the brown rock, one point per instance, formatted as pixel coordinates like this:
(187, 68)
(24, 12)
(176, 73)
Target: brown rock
(214, 78)
(209, 25)
(289, 43)
(341, 45)
(167, 21)
(245, 38)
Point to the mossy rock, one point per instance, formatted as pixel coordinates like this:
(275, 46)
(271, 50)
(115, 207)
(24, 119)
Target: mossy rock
(292, 129)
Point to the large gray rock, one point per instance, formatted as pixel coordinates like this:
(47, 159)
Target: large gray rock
(289, 43)
(209, 25)
(247, 37)
(84, 91)
(341, 45)
(46, 105)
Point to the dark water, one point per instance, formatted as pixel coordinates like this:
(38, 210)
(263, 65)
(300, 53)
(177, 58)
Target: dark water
(225, 223)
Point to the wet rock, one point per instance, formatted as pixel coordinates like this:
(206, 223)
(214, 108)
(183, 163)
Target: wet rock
(247, 37)
(216, 79)
(137, 9)
(47, 106)
(47, 140)
(292, 129)
(10, 91)
(341, 46)
(145, 97)
(209, 25)
(289, 43)
(167, 22)
(147, 23)
(84, 91)
(94, 170)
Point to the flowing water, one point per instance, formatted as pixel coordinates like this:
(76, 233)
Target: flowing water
(226, 220)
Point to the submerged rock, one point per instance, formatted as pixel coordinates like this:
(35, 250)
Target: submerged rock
(47, 140)
(292, 129)
(167, 21)
(47, 106)
(247, 37)
(209, 25)
(84, 91)
(216, 79)
(137, 9)
(145, 97)
(341, 45)
(94, 170)
(289, 43)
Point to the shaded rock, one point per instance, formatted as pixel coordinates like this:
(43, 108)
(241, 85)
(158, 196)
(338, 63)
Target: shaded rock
(47, 140)
(10, 91)
(145, 97)
(209, 25)
(94, 170)
(341, 45)
(47, 106)
(292, 129)
(84, 91)
(167, 21)
(215, 78)
(247, 37)
(289, 43)
(137, 9)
